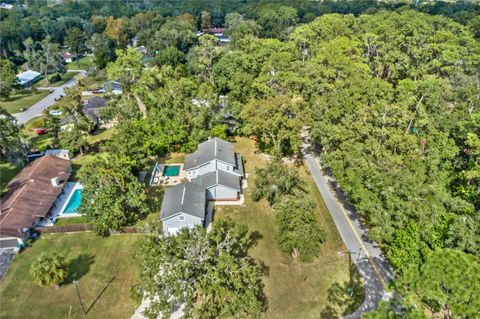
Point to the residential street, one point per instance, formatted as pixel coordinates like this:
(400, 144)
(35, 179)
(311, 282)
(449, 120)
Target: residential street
(38, 108)
(372, 265)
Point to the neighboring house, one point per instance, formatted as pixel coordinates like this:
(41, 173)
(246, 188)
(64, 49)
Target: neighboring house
(6, 6)
(212, 155)
(67, 123)
(31, 195)
(183, 205)
(219, 185)
(92, 108)
(219, 33)
(28, 78)
(113, 87)
(64, 154)
(69, 57)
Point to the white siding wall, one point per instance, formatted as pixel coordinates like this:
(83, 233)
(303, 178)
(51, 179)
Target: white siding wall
(174, 222)
(220, 192)
(209, 167)
(221, 166)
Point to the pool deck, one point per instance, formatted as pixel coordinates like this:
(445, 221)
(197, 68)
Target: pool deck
(62, 201)
(158, 178)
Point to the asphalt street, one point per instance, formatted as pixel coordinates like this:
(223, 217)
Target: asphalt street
(38, 108)
(371, 263)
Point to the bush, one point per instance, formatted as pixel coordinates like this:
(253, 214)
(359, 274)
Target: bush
(55, 78)
(49, 271)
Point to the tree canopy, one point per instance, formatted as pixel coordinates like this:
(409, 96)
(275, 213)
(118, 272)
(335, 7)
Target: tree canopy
(207, 274)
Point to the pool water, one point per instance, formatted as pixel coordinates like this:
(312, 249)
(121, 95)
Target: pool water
(171, 170)
(74, 202)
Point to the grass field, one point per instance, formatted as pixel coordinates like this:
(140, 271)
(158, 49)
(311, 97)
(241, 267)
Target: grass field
(64, 78)
(295, 289)
(70, 221)
(94, 262)
(101, 135)
(22, 99)
(85, 63)
(7, 172)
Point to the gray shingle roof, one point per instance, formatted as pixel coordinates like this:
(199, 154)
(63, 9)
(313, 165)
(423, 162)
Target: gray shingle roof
(209, 150)
(218, 178)
(186, 198)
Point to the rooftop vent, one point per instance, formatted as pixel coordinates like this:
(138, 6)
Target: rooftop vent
(55, 182)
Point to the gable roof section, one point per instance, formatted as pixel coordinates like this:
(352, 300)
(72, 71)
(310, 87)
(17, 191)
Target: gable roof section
(31, 193)
(183, 198)
(218, 178)
(209, 150)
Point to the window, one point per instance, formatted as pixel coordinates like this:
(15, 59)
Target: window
(182, 218)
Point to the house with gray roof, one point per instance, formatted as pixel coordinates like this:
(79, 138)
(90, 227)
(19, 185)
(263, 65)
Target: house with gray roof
(219, 185)
(183, 205)
(215, 173)
(213, 155)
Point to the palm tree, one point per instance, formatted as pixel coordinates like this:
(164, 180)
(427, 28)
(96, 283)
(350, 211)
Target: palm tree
(49, 271)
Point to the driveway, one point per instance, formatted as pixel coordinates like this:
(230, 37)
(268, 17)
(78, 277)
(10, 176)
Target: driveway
(38, 108)
(367, 256)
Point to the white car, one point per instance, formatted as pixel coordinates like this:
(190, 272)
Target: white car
(55, 112)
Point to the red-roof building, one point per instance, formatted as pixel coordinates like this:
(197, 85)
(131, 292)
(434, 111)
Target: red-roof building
(31, 194)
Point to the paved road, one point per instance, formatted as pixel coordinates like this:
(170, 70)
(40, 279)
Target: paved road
(371, 264)
(38, 108)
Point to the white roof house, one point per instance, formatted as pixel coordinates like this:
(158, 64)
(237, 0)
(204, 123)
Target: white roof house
(28, 77)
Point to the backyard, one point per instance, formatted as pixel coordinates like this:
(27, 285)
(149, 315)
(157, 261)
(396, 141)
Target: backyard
(295, 289)
(104, 267)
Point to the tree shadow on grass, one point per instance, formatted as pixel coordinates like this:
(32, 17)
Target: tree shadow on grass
(348, 295)
(79, 266)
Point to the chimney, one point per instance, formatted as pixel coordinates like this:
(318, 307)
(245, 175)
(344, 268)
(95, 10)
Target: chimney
(55, 182)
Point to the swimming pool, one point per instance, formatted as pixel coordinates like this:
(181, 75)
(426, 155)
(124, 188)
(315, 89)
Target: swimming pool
(74, 202)
(171, 170)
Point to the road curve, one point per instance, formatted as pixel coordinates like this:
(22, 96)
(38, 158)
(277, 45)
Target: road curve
(38, 108)
(372, 265)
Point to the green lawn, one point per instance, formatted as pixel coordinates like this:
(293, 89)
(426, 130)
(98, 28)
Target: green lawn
(70, 221)
(81, 160)
(7, 172)
(64, 78)
(295, 289)
(85, 63)
(92, 261)
(101, 135)
(22, 99)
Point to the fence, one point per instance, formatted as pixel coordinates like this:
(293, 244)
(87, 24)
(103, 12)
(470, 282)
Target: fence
(80, 228)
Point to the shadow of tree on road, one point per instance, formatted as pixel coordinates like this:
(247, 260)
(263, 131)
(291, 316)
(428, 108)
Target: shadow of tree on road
(346, 297)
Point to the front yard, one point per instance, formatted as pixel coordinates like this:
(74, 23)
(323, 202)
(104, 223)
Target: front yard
(93, 261)
(22, 99)
(295, 289)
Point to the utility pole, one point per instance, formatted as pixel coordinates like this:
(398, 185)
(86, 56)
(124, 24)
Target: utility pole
(75, 283)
